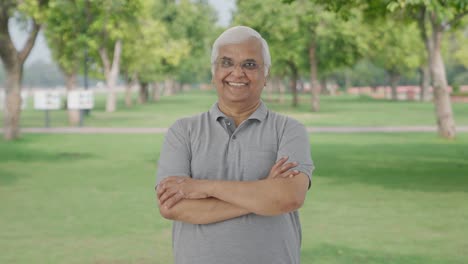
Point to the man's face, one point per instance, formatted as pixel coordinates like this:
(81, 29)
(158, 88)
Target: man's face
(239, 73)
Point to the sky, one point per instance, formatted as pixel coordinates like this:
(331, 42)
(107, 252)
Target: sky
(42, 52)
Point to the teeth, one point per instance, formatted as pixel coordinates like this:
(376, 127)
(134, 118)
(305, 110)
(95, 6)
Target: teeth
(236, 84)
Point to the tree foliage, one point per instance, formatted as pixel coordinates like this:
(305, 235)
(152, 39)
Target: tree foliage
(305, 37)
(149, 46)
(193, 24)
(396, 47)
(65, 32)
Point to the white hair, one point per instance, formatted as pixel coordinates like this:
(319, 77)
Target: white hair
(237, 35)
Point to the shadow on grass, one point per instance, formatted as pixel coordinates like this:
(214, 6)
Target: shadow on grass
(12, 152)
(7, 177)
(19, 151)
(428, 167)
(327, 253)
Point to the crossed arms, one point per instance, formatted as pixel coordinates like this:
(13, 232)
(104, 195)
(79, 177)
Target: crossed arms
(208, 201)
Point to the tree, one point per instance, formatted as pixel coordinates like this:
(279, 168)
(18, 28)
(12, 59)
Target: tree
(436, 17)
(278, 24)
(456, 56)
(303, 36)
(150, 49)
(396, 48)
(334, 43)
(65, 32)
(32, 13)
(195, 22)
(191, 23)
(110, 21)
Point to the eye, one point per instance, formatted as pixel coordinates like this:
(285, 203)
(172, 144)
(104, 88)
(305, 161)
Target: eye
(250, 65)
(226, 63)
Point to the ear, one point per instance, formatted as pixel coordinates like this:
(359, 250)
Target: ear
(266, 78)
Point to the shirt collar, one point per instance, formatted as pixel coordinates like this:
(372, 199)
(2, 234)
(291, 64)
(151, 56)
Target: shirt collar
(259, 114)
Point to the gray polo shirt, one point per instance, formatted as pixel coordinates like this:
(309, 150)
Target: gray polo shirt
(210, 146)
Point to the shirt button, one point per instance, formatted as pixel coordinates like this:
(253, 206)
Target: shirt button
(234, 137)
(228, 123)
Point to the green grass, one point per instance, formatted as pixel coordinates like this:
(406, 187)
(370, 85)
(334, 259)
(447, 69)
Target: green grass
(342, 110)
(375, 198)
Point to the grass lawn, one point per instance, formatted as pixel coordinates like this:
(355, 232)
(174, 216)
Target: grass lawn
(375, 198)
(342, 110)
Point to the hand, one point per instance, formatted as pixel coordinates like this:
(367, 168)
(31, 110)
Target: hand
(281, 169)
(173, 189)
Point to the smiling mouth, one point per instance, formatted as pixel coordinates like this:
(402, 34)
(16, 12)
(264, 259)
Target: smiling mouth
(236, 84)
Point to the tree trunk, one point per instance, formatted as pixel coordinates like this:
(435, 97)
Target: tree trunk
(169, 87)
(323, 86)
(347, 79)
(12, 110)
(111, 73)
(394, 80)
(293, 83)
(144, 93)
(276, 87)
(177, 87)
(282, 91)
(156, 92)
(130, 82)
(424, 82)
(269, 89)
(13, 61)
(128, 94)
(73, 114)
(314, 82)
(186, 87)
(425, 68)
(443, 105)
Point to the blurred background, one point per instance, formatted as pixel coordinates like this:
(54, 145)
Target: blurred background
(88, 88)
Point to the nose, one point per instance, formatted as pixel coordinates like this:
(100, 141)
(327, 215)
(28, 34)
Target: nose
(237, 70)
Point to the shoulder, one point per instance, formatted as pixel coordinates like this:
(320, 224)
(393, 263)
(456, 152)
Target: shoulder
(186, 124)
(284, 122)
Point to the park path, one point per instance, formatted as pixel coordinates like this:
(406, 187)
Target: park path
(161, 130)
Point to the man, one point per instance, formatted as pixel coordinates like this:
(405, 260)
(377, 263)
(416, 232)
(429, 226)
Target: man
(233, 178)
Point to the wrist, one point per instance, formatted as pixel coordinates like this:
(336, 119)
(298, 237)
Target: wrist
(209, 187)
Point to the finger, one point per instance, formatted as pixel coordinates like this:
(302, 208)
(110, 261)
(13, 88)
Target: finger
(280, 162)
(275, 170)
(289, 174)
(173, 200)
(160, 191)
(163, 188)
(288, 166)
(167, 195)
(294, 173)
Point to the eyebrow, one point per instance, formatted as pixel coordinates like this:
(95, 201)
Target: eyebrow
(247, 60)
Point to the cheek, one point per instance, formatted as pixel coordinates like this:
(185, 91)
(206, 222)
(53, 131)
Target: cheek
(261, 81)
(218, 78)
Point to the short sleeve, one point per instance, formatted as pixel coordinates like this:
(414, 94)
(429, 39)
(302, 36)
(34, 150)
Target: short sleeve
(295, 144)
(175, 154)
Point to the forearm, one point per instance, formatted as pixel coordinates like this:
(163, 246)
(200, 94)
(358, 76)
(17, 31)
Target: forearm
(263, 197)
(202, 211)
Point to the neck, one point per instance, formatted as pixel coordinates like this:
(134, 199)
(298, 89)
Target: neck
(238, 112)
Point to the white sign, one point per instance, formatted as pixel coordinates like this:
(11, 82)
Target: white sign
(83, 99)
(47, 100)
(24, 100)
